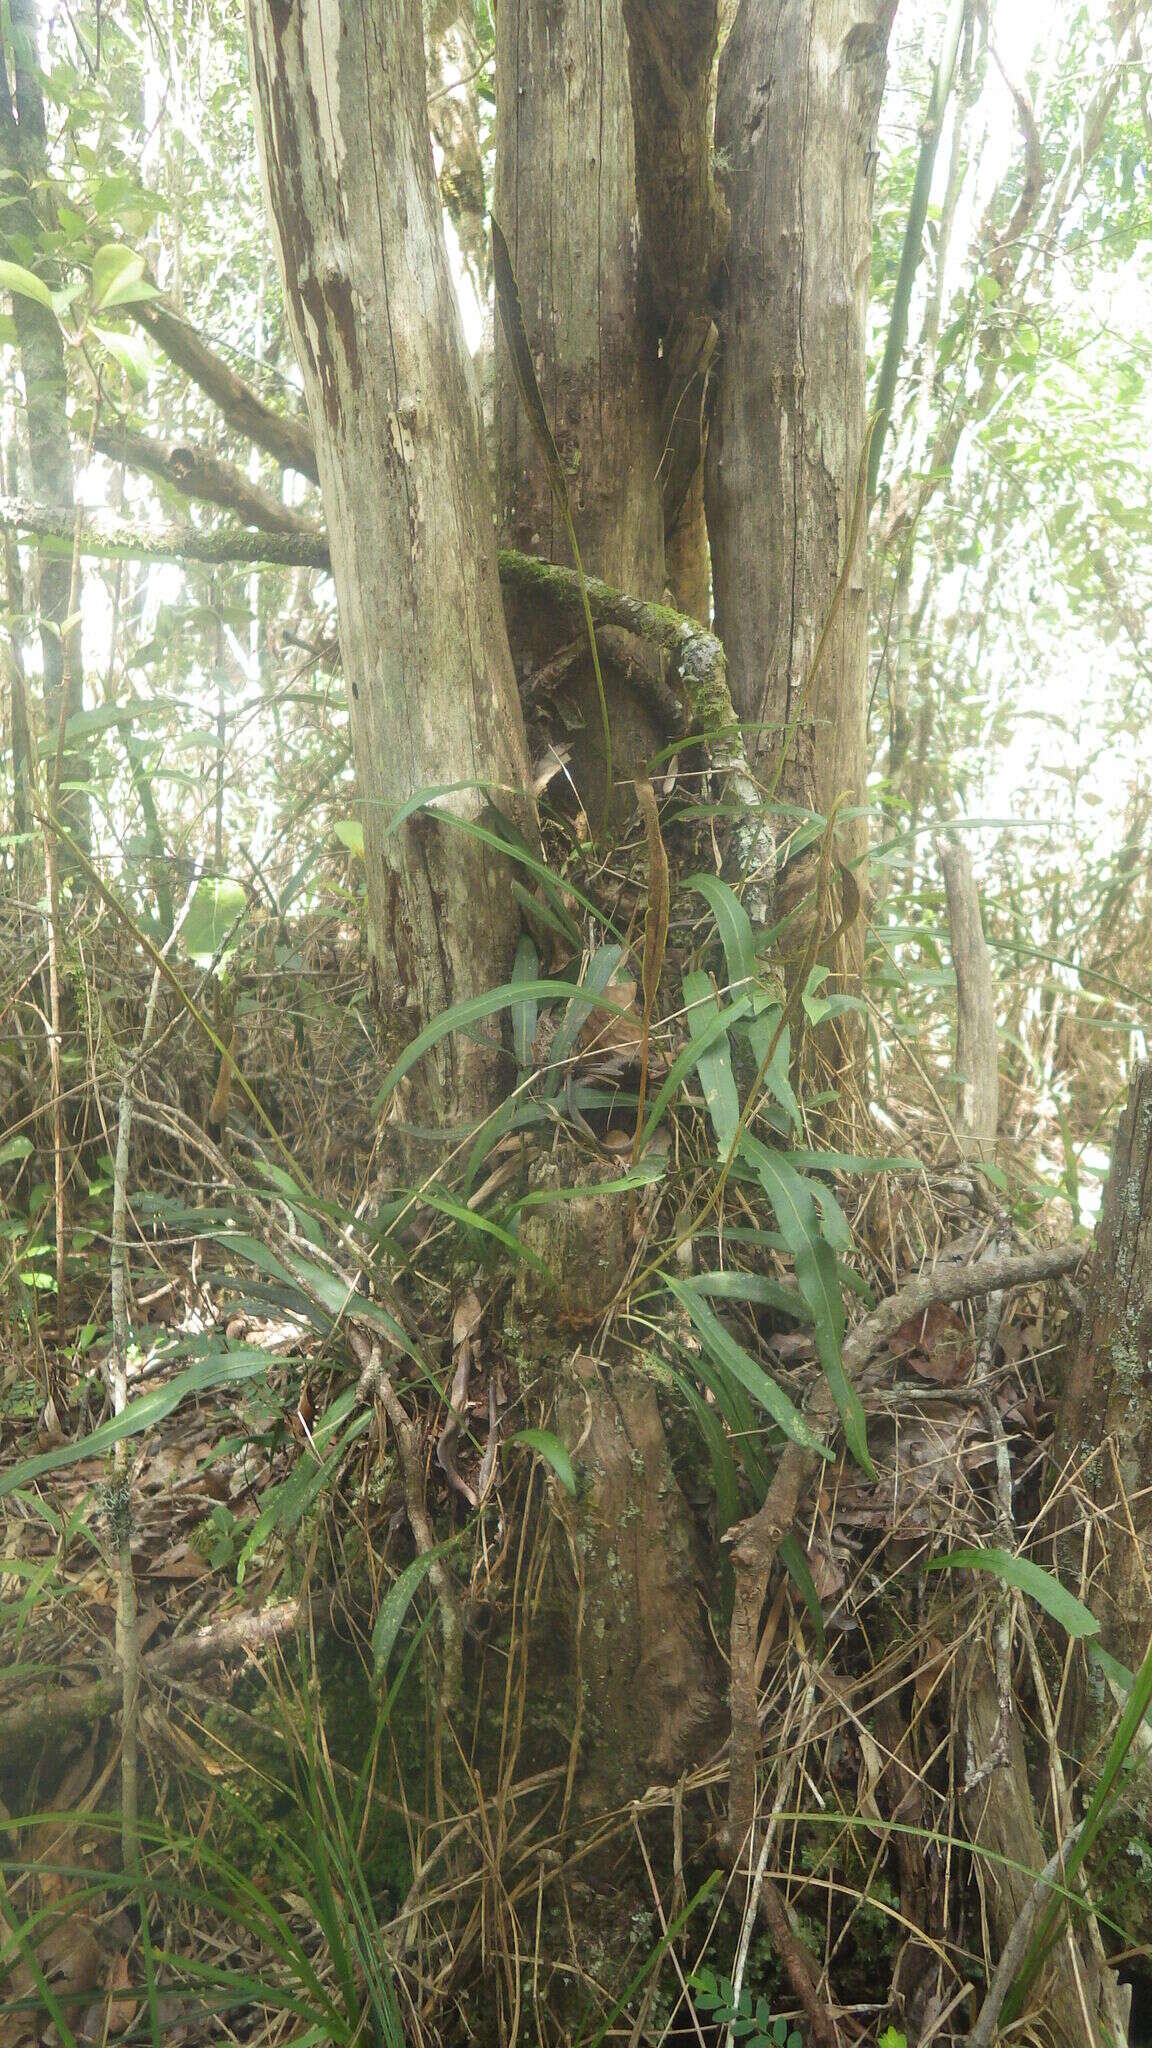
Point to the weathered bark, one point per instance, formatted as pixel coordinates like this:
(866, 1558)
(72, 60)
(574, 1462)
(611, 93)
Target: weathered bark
(646, 1691)
(342, 123)
(566, 200)
(24, 165)
(1000, 1817)
(683, 227)
(978, 1076)
(1105, 1426)
(671, 51)
(197, 474)
(799, 93)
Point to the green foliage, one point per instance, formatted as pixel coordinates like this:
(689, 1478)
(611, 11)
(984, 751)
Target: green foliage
(749, 2021)
(1029, 1578)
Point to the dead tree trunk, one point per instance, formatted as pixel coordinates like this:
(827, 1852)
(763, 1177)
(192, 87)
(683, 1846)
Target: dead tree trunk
(341, 117)
(566, 200)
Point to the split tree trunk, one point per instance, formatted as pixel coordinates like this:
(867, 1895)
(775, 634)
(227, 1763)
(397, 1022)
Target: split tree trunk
(799, 95)
(566, 197)
(566, 200)
(341, 117)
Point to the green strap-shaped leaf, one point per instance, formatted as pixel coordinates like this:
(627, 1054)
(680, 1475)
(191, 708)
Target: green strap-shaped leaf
(523, 368)
(461, 1017)
(713, 1060)
(711, 1023)
(552, 1451)
(1029, 1578)
(601, 967)
(755, 1287)
(525, 967)
(222, 1368)
(396, 1602)
(796, 1565)
(732, 1357)
(795, 1211)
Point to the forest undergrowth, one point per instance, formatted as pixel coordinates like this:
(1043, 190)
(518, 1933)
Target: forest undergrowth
(318, 1527)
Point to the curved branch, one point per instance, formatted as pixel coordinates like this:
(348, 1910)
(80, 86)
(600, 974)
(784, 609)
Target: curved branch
(288, 440)
(197, 474)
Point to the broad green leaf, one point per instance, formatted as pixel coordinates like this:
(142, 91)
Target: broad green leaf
(1029, 1578)
(118, 277)
(26, 284)
(735, 929)
(795, 1211)
(552, 1451)
(129, 349)
(215, 911)
(14, 1148)
(732, 1357)
(713, 1060)
(350, 833)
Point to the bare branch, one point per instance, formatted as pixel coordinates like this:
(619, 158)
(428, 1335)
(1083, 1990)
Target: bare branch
(288, 440)
(199, 475)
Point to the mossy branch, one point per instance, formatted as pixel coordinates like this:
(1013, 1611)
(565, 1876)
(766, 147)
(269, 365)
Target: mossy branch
(697, 667)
